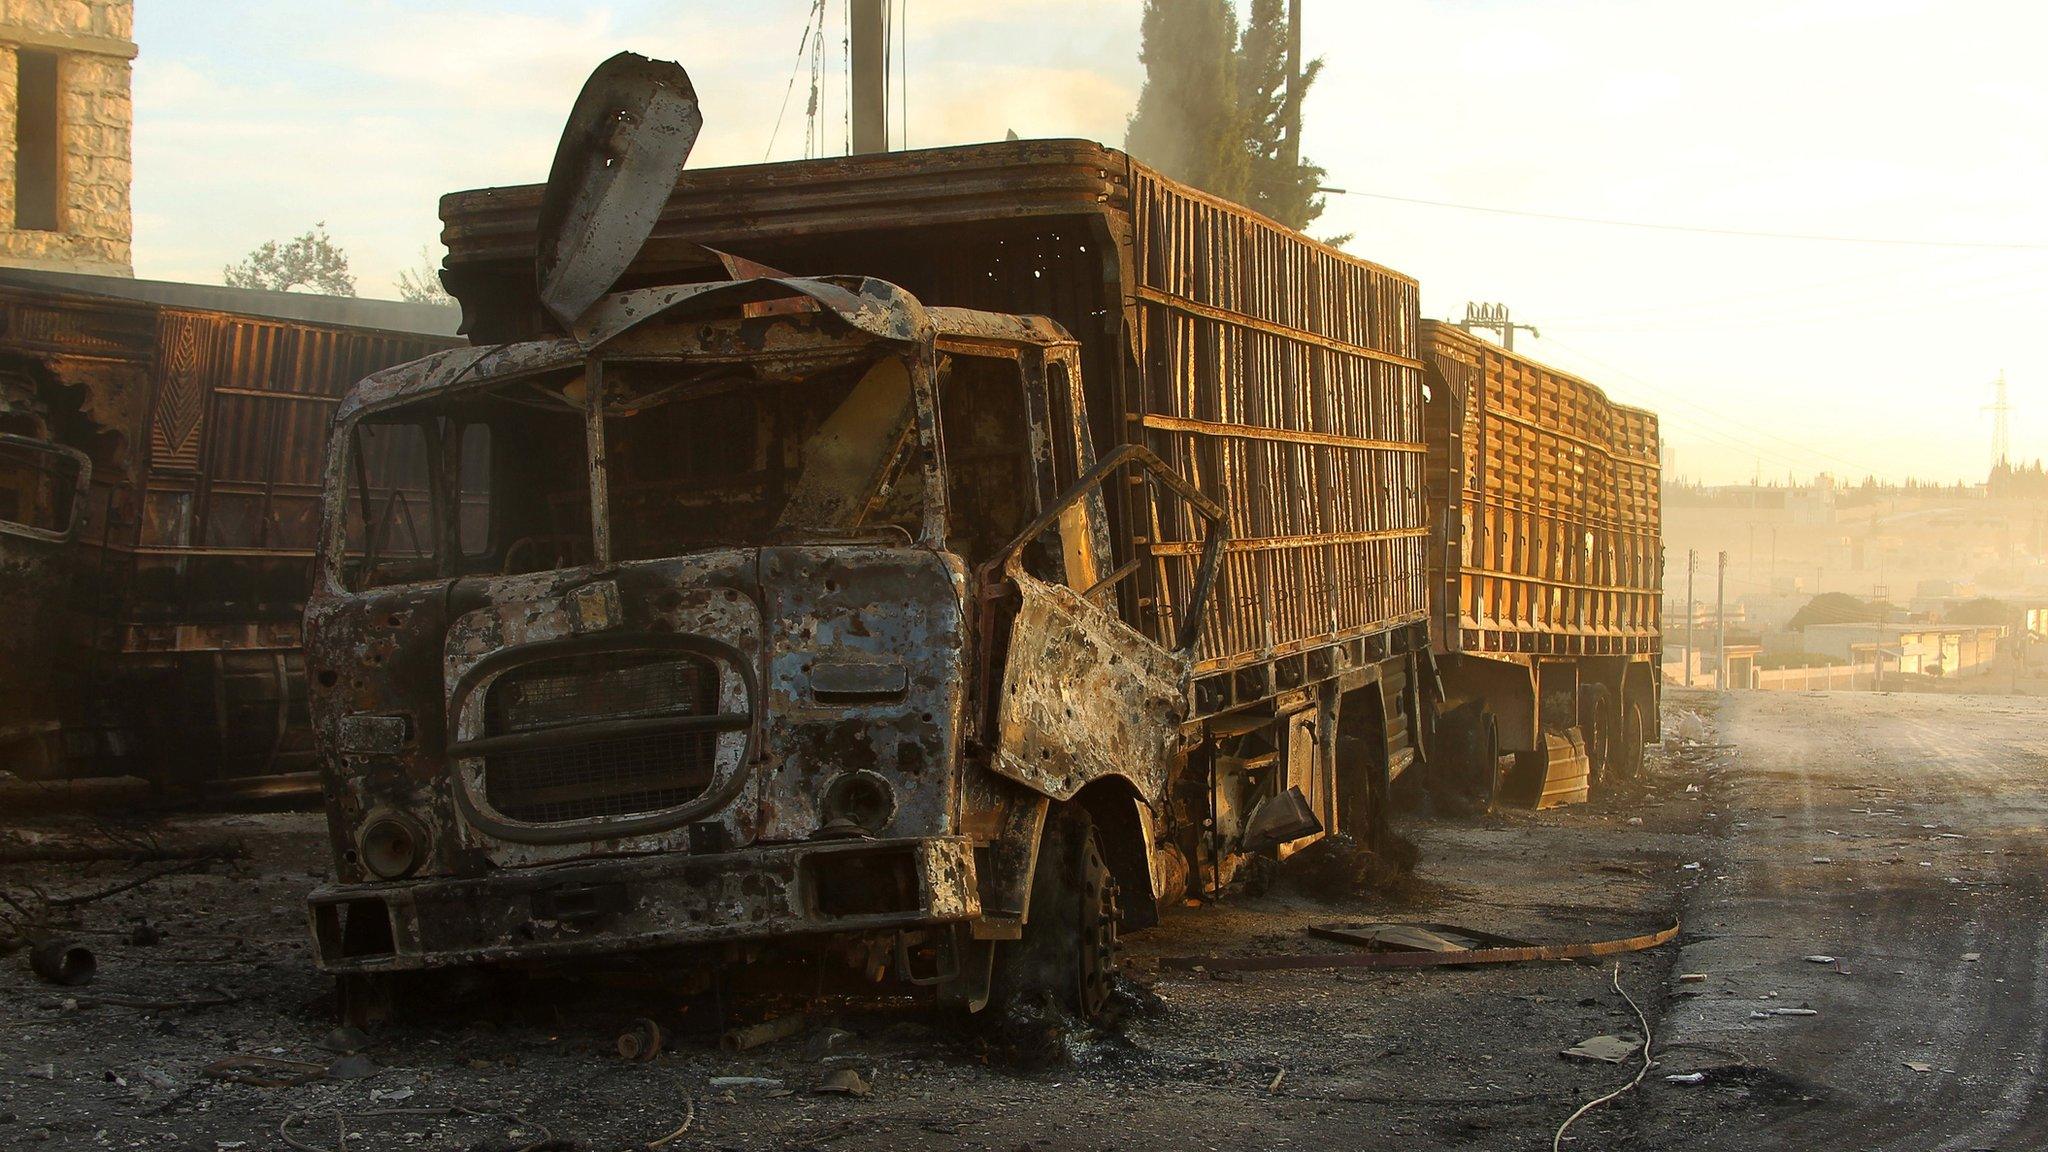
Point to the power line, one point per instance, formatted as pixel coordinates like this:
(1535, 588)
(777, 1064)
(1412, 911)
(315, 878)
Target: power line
(802, 42)
(1701, 412)
(1696, 228)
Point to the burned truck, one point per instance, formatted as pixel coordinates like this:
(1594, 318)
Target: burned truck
(934, 563)
(1547, 564)
(159, 465)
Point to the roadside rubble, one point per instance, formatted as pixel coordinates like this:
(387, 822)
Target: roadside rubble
(227, 996)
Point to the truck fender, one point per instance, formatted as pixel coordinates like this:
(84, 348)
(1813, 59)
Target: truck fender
(1124, 822)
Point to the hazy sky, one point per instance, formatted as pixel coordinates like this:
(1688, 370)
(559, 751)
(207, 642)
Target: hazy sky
(1884, 120)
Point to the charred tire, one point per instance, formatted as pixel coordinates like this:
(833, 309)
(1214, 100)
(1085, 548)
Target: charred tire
(1596, 726)
(1489, 737)
(1628, 753)
(1068, 952)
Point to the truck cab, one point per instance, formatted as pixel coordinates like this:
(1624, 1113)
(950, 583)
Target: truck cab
(755, 610)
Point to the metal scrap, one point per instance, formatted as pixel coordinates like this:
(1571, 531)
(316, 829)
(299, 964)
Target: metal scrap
(1298, 961)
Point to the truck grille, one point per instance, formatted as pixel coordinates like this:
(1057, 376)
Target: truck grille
(608, 775)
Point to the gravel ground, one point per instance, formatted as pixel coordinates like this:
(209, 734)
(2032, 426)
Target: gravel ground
(1440, 1058)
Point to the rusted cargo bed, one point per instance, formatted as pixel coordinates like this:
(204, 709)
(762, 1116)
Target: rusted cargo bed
(1278, 373)
(1549, 531)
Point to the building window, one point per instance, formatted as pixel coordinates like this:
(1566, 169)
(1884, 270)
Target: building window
(36, 166)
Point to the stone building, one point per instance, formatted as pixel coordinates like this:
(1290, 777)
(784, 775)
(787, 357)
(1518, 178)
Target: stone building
(66, 114)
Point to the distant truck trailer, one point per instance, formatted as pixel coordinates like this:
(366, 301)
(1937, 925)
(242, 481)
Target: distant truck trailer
(1546, 574)
(159, 493)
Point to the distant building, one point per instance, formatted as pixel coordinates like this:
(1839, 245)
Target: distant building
(67, 115)
(1922, 649)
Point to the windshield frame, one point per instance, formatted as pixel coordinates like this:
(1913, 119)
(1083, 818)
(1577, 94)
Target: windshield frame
(785, 344)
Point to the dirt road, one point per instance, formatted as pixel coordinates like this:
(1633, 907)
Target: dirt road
(1901, 835)
(1419, 1060)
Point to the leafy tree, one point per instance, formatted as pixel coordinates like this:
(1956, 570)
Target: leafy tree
(1838, 608)
(421, 284)
(1187, 123)
(1983, 610)
(1286, 192)
(311, 261)
(1213, 112)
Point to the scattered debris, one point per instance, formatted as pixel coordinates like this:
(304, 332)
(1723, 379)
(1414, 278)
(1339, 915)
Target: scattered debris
(1557, 1141)
(1415, 937)
(354, 1066)
(63, 962)
(1820, 959)
(390, 1095)
(1338, 868)
(521, 1134)
(1972, 957)
(1767, 1013)
(1692, 977)
(842, 1082)
(344, 1040)
(1687, 1078)
(1918, 1065)
(139, 1003)
(1606, 1049)
(689, 1117)
(264, 1071)
(766, 1032)
(1216, 965)
(745, 1082)
(825, 1041)
(641, 1041)
(1275, 1085)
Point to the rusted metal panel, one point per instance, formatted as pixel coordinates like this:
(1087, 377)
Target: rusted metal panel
(1280, 374)
(206, 429)
(1083, 697)
(646, 902)
(1549, 527)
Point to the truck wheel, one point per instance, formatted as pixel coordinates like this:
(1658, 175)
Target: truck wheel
(1628, 753)
(1489, 759)
(1597, 730)
(1068, 952)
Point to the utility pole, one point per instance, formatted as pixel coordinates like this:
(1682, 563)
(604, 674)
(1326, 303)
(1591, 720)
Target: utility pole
(870, 33)
(1494, 318)
(1721, 626)
(1290, 145)
(2001, 426)
(1692, 565)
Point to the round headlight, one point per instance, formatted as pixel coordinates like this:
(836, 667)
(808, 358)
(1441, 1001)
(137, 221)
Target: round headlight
(859, 800)
(392, 846)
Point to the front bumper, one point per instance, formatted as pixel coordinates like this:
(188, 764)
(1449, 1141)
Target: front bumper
(624, 904)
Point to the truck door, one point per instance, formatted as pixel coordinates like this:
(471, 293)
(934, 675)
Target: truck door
(1082, 694)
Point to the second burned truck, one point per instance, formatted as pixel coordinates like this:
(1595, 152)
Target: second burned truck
(1010, 542)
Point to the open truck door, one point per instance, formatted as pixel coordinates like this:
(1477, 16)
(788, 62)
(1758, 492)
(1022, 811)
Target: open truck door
(1083, 695)
(1087, 714)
